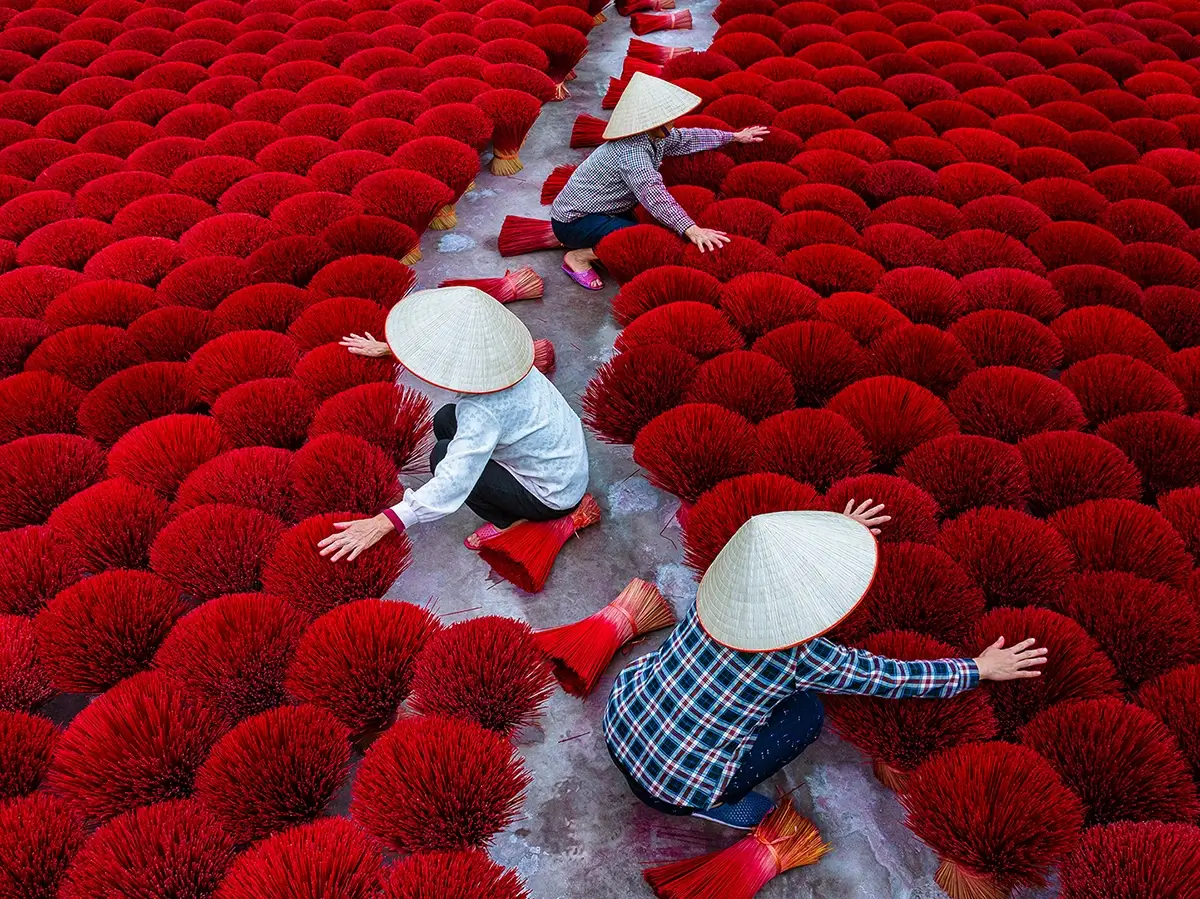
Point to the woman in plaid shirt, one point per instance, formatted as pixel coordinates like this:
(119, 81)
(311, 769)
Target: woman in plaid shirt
(601, 194)
(730, 698)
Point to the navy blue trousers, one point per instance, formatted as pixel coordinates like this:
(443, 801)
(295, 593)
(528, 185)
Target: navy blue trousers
(586, 232)
(791, 728)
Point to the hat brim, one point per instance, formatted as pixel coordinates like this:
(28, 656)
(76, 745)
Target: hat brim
(617, 134)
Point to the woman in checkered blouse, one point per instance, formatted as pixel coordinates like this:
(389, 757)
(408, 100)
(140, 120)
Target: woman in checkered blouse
(730, 698)
(601, 194)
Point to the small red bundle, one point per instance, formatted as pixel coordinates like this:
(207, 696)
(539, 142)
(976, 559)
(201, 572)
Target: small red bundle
(524, 553)
(645, 23)
(633, 388)
(555, 182)
(37, 402)
(435, 783)
(900, 734)
(963, 472)
(997, 815)
(587, 132)
(782, 841)
(255, 477)
(398, 420)
(135, 396)
(39, 836)
(525, 235)
(333, 853)
(104, 629)
(581, 651)
(518, 284)
(512, 113)
(451, 875)
(297, 572)
(1119, 759)
(105, 764)
(233, 651)
(341, 472)
(689, 449)
(215, 549)
(655, 53)
(111, 524)
(628, 7)
(1076, 667)
(39, 473)
(26, 747)
(24, 683)
(544, 359)
(488, 670)
(813, 446)
(893, 415)
(356, 661)
(172, 848)
(1067, 468)
(277, 769)
(914, 512)
(1145, 860)
(161, 453)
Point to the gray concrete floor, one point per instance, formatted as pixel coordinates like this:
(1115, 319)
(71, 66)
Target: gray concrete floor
(582, 833)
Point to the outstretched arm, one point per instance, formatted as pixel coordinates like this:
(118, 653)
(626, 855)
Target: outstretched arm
(647, 185)
(683, 141)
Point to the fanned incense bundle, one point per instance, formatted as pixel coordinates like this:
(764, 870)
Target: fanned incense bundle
(588, 131)
(784, 840)
(596, 8)
(616, 87)
(644, 23)
(555, 182)
(515, 284)
(633, 64)
(581, 651)
(543, 356)
(523, 235)
(655, 53)
(525, 552)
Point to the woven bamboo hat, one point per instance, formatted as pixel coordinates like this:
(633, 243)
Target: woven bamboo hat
(647, 103)
(785, 578)
(460, 339)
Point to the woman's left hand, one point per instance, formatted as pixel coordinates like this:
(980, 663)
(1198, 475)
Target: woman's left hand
(353, 537)
(751, 135)
(867, 515)
(366, 345)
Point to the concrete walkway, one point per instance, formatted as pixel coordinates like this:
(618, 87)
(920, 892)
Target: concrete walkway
(583, 834)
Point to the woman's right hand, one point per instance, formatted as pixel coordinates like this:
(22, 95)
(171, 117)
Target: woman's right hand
(706, 239)
(365, 345)
(1016, 663)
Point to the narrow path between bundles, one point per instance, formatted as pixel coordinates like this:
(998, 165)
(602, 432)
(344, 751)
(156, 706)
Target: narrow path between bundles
(581, 833)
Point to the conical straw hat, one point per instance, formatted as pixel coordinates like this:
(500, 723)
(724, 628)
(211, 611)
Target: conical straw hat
(647, 103)
(784, 578)
(461, 339)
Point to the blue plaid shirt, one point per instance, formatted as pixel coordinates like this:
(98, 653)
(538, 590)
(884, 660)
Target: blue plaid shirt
(622, 173)
(680, 719)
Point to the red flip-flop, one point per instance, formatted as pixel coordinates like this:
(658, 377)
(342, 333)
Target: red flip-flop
(480, 535)
(588, 280)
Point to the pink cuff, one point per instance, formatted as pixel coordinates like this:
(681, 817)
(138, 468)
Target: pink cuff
(391, 516)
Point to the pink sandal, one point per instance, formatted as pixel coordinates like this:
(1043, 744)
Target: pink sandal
(588, 280)
(476, 540)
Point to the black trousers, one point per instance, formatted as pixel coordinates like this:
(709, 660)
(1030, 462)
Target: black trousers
(497, 496)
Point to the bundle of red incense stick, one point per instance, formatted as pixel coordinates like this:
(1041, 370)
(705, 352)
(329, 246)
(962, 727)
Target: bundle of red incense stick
(518, 284)
(784, 840)
(581, 651)
(525, 552)
(644, 23)
(524, 235)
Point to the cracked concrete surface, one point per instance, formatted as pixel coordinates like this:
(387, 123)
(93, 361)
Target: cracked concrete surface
(582, 833)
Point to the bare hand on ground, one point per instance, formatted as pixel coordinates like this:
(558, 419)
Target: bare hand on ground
(365, 345)
(353, 537)
(1018, 662)
(866, 514)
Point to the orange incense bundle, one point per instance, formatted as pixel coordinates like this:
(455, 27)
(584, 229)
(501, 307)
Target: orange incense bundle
(555, 182)
(524, 553)
(518, 284)
(645, 23)
(784, 840)
(616, 87)
(655, 53)
(633, 64)
(543, 356)
(626, 7)
(521, 235)
(581, 651)
(588, 131)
